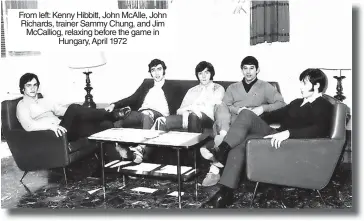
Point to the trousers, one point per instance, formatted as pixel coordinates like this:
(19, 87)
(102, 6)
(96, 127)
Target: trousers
(195, 123)
(81, 121)
(246, 126)
(138, 120)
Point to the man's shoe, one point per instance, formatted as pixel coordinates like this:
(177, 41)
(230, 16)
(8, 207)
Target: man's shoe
(138, 154)
(124, 152)
(221, 199)
(121, 114)
(218, 154)
(211, 179)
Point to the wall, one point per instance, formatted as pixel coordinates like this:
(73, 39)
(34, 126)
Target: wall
(205, 30)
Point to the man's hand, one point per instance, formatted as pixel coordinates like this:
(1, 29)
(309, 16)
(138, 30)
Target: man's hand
(196, 110)
(258, 110)
(58, 130)
(185, 119)
(278, 138)
(110, 107)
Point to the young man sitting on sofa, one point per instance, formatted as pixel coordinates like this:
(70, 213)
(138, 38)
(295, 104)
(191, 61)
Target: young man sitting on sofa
(148, 102)
(251, 93)
(308, 117)
(197, 108)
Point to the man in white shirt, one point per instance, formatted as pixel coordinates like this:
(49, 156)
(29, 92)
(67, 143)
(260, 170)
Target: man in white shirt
(197, 108)
(147, 103)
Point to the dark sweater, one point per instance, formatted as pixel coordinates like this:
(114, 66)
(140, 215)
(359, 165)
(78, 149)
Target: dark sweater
(312, 120)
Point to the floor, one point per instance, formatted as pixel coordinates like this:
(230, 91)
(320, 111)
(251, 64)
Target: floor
(47, 189)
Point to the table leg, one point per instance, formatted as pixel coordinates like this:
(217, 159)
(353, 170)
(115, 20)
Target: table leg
(179, 178)
(195, 168)
(103, 168)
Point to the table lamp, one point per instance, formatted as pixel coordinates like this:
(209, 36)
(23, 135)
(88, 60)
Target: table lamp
(87, 62)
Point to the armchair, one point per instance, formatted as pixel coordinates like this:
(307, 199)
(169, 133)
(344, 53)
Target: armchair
(38, 150)
(304, 163)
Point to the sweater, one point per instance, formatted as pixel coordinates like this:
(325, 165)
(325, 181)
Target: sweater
(261, 94)
(312, 120)
(203, 98)
(38, 114)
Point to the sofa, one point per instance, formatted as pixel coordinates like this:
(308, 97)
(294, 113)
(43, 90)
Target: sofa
(180, 88)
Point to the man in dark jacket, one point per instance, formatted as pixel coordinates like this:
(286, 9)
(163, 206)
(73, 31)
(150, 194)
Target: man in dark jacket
(148, 102)
(308, 117)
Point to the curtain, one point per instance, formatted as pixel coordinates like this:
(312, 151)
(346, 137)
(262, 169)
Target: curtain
(143, 4)
(14, 4)
(269, 22)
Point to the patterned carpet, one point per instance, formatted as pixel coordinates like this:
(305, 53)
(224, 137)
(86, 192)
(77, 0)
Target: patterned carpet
(46, 189)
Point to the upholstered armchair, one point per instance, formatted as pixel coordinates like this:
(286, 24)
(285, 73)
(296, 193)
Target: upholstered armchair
(39, 150)
(304, 163)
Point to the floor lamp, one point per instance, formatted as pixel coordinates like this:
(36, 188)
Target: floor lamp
(87, 62)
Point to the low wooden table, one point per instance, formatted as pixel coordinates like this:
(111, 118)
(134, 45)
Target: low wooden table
(172, 139)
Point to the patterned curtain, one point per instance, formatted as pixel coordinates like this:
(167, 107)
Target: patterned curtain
(14, 4)
(269, 22)
(143, 4)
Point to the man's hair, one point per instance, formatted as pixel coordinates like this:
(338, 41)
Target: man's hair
(249, 60)
(315, 76)
(156, 62)
(202, 65)
(25, 79)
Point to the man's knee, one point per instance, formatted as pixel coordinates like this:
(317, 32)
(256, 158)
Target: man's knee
(246, 115)
(222, 112)
(192, 117)
(147, 121)
(73, 107)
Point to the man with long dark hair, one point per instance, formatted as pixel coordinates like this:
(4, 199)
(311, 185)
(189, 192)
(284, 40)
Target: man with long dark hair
(308, 117)
(147, 103)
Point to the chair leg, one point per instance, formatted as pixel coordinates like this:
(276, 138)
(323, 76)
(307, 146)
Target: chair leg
(321, 197)
(65, 174)
(24, 174)
(255, 191)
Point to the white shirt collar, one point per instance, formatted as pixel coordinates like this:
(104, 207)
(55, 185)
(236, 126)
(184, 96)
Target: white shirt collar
(312, 98)
(208, 86)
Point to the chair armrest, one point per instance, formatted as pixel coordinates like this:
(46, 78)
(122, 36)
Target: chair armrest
(305, 163)
(37, 149)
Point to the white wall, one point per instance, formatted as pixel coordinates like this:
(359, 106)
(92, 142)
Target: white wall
(206, 30)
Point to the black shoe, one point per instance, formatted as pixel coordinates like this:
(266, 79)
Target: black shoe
(121, 114)
(223, 198)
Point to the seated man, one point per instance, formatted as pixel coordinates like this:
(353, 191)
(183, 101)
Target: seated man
(147, 103)
(36, 113)
(250, 93)
(309, 117)
(197, 108)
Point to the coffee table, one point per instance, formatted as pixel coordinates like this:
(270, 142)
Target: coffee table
(172, 139)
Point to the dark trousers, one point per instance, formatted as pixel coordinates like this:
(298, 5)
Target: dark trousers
(195, 124)
(246, 126)
(82, 121)
(138, 120)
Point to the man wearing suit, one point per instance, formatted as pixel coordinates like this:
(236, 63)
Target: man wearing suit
(148, 102)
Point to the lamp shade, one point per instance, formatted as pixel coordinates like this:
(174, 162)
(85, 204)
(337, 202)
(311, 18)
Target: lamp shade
(86, 60)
